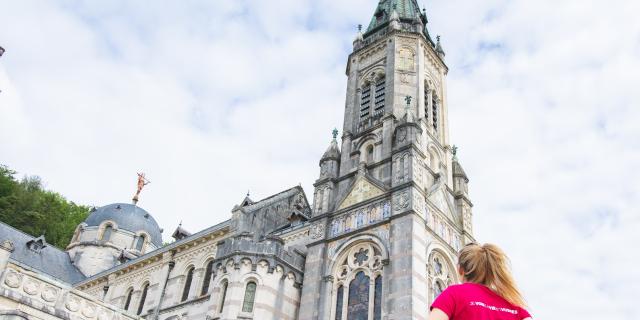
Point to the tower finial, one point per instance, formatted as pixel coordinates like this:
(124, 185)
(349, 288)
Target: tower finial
(334, 133)
(455, 151)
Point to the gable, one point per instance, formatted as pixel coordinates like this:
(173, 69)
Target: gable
(442, 202)
(362, 190)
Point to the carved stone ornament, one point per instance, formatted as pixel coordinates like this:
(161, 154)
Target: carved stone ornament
(31, 286)
(103, 315)
(49, 294)
(13, 279)
(402, 135)
(89, 310)
(401, 201)
(73, 303)
(317, 231)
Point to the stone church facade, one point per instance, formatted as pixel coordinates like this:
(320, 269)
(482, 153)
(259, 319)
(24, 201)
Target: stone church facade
(390, 211)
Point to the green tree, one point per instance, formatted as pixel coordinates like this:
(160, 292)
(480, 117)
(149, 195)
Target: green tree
(27, 206)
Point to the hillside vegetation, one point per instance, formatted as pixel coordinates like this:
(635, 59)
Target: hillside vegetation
(27, 206)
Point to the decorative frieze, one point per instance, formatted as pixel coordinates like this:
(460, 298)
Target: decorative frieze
(361, 217)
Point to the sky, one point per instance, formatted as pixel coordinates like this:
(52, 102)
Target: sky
(212, 99)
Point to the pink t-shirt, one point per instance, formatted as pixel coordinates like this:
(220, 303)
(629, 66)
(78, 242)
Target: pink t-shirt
(470, 301)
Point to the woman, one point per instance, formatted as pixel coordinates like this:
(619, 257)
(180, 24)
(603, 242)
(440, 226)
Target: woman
(488, 291)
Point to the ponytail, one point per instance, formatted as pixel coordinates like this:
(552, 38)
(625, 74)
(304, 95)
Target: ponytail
(489, 265)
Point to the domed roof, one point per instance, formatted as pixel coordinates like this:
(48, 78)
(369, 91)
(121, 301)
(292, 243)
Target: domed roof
(128, 217)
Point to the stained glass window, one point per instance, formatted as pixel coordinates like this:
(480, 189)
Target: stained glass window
(187, 285)
(249, 297)
(143, 298)
(437, 289)
(358, 307)
(377, 299)
(339, 297)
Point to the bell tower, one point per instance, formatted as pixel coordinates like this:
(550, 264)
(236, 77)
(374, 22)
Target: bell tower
(391, 205)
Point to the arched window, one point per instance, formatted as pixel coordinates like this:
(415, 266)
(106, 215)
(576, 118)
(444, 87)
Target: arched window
(249, 297)
(140, 242)
(441, 274)
(106, 234)
(426, 102)
(365, 101)
(377, 299)
(187, 285)
(127, 302)
(339, 302)
(207, 278)
(370, 154)
(359, 265)
(145, 288)
(380, 96)
(434, 111)
(223, 295)
(358, 305)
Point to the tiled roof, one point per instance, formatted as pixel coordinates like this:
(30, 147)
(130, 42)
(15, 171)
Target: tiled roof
(48, 260)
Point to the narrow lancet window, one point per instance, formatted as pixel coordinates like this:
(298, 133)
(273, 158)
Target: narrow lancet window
(143, 298)
(224, 295)
(127, 302)
(207, 278)
(249, 297)
(339, 297)
(187, 285)
(365, 102)
(435, 107)
(380, 96)
(377, 299)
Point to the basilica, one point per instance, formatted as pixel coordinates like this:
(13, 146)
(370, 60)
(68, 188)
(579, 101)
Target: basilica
(389, 211)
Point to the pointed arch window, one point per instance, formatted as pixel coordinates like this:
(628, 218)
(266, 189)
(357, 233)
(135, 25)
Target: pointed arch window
(249, 297)
(358, 305)
(143, 298)
(435, 112)
(377, 299)
(140, 242)
(339, 301)
(441, 274)
(426, 102)
(127, 302)
(381, 86)
(207, 278)
(365, 101)
(106, 234)
(225, 285)
(359, 276)
(187, 285)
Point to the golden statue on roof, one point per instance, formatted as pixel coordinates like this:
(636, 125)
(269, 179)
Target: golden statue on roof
(142, 181)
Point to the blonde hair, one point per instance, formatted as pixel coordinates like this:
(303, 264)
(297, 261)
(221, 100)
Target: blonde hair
(488, 265)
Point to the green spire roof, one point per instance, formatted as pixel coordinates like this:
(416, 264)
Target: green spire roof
(407, 10)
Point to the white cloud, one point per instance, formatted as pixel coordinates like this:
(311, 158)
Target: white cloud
(214, 98)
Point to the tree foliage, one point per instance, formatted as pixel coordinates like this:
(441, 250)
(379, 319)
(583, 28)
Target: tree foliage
(27, 206)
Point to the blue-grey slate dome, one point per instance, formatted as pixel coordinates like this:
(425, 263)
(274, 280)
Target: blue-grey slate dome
(128, 217)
